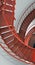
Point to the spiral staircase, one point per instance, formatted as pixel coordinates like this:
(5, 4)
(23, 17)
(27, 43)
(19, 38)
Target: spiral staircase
(15, 44)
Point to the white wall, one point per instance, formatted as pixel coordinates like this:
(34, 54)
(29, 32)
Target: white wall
(20, 7)
(5, 59)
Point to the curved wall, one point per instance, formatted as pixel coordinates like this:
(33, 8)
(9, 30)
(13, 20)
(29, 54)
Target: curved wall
(20, 9)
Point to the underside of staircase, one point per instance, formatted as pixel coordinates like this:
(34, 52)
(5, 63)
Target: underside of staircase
(14, 41)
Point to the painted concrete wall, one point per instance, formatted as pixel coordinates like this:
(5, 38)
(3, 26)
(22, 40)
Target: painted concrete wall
(5, 59)
(20, 7)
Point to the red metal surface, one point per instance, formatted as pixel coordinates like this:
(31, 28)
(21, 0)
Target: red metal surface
(27, 39)
(29, 35)
(17, 46)
(24, 25)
